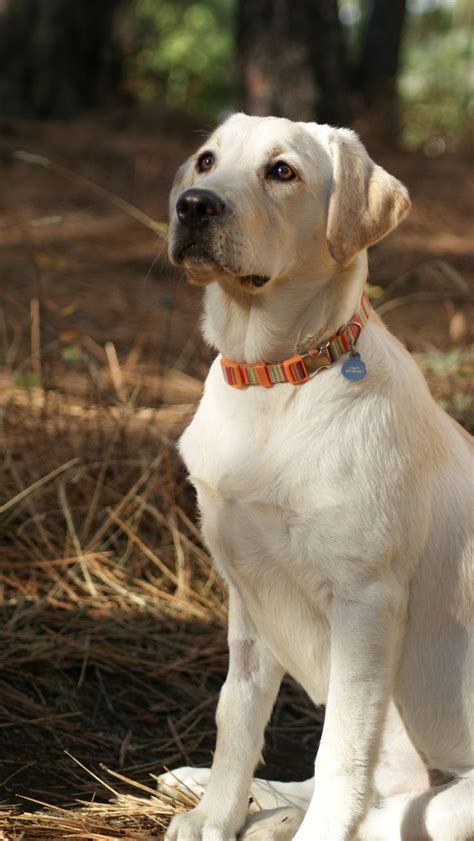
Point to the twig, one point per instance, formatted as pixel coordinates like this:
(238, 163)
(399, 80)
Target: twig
(73, 534)
(91, 773)
(115, 371)
(413, 297)
(159, 228)
(35, 338)
(34, 487)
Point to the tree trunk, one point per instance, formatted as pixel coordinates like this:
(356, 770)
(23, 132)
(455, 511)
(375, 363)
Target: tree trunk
(326, 47)
(292, 59)
(57, 57)
(376, 72)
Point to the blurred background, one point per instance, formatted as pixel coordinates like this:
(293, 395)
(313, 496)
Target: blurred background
(112, 636)
(405, 67)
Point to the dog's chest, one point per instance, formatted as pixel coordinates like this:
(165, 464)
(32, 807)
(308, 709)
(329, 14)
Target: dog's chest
(250, 471)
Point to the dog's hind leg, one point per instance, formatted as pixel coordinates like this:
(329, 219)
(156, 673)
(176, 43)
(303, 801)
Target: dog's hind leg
(443, 813)
(187, 781)
(270, 794)
(407, 808)
(245, 704)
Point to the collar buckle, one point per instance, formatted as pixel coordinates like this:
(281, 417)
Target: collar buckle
(315, 359)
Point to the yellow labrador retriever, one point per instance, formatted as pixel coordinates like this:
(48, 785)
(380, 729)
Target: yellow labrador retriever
(335, 498)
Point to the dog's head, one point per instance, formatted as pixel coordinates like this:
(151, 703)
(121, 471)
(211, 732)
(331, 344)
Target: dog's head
(265, 197)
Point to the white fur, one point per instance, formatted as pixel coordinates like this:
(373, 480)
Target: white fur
(339, 515)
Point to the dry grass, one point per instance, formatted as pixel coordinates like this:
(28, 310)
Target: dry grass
(112, 645)
(112, 642)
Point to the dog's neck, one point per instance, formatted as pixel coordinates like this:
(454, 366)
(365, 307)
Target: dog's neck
(275, 323)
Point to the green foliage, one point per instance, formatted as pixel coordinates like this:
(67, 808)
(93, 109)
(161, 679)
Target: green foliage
(27, 379)
(72, 353)
(449, 374)
(185, 53)
(436, 82)
(436, 77)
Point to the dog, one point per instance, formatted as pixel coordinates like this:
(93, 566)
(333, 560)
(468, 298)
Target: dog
(335, 498)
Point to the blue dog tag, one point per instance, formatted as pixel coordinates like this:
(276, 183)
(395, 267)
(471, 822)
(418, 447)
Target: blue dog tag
(354, 368)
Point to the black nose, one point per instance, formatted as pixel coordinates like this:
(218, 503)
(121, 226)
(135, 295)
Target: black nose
(196, 206)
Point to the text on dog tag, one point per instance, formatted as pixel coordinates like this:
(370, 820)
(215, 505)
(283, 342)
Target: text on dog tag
(354, 368)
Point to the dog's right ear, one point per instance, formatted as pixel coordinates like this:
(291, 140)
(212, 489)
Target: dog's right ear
(365, 201)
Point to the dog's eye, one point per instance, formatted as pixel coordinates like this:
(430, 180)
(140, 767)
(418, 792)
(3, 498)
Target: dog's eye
(205, 162)
(281, 171)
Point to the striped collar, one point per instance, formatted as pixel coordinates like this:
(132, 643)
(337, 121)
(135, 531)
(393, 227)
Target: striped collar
(301, 367)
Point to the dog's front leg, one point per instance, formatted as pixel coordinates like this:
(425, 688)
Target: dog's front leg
(245, 704)
(365, 636)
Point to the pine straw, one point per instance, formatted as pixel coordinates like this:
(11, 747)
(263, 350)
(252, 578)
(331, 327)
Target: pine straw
(113, 642)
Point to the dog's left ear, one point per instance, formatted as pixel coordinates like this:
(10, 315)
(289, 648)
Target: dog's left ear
(365, 202)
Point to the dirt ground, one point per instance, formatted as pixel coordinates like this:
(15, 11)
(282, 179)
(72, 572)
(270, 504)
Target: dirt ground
(102, 362)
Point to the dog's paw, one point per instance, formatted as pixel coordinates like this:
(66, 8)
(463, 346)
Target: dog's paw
(194, 826)
(273, 825)
(189, 782)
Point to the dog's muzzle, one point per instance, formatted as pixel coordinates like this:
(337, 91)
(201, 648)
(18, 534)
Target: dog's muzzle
(196, 209)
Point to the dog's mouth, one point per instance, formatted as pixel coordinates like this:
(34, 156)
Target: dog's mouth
(193, 253)
(200, 265)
